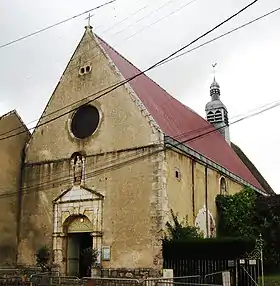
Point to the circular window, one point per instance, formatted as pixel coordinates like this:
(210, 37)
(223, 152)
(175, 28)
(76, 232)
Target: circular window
(85, 121)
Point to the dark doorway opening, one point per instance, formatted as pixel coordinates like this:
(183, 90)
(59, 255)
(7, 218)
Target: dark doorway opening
(79, 260)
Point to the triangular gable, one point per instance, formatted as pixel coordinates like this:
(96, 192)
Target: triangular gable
(180, 122)
(44, 113)
(76, 88)
(16, 131)
(78, 193)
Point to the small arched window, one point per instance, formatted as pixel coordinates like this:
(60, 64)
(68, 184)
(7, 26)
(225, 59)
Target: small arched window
(223, 186)
(210, 116)
(218, 115)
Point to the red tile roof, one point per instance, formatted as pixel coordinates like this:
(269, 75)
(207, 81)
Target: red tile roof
(180, 122)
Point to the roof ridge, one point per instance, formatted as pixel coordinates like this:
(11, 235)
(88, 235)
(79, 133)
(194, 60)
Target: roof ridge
(14, 111)
(7, 113)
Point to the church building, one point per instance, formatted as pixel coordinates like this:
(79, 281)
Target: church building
(108, 161)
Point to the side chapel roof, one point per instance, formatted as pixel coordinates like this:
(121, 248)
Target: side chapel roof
(253, 169)
(175, 119)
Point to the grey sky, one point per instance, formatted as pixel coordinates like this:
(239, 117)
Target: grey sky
(248, 60)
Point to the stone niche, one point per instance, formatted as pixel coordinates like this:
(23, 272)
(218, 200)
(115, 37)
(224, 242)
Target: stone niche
(205, 222)
(77, 209)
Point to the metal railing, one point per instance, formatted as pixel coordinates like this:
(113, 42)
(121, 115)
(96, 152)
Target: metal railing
(49, 279)
(55, 279)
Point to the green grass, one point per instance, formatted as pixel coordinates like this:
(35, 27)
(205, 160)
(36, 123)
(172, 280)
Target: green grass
(273, 280)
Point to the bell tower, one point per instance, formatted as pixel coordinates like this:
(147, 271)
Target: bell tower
(216, 111)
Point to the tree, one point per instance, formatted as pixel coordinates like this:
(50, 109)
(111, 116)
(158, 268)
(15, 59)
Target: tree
(43, 257)
(181, 231)
(89, 258)
(237, 214)
(247, 215)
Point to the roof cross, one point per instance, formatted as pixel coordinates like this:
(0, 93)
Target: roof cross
(88, 18)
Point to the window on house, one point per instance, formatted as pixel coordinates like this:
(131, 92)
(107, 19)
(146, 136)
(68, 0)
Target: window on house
(177, 174)
(223, 186)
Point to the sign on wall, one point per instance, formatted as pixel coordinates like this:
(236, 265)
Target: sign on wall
(106, 253)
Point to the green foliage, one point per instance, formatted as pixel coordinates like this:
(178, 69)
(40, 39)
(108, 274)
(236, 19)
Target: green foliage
(247, 215)
(89, 256)
(208, 248)
(43, 257)
(268, 221)
(181, 231)
(271, 281)
(236, 214)
(186, 242)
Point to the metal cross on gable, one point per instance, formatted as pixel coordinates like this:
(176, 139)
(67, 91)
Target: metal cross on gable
(88, 18)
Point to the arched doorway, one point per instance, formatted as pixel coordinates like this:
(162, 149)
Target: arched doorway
(79, 242)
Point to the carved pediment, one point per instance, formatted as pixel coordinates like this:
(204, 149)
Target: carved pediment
(78, 193)
(80, 225)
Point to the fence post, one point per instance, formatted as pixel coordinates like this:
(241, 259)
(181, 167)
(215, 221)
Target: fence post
(261, 254)
(236, 272)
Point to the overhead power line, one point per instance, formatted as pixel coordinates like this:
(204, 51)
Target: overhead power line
(121, 83)
(192, 133)
(144, 17)
(193, 49)
(65, 179)
(56, 24)
(159, 20)
(225, 34)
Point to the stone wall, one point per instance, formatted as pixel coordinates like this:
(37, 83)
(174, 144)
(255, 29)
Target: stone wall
(192, 186)
(130, 182)
(135, 273)
(11, 153)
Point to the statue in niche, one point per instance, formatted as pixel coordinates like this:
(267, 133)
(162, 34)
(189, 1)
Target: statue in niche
(212, 226)
(77, 169)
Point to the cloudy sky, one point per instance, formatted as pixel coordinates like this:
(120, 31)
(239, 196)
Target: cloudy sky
(145, 31)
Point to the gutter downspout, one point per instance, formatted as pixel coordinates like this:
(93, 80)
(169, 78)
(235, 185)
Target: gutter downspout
(193, 192)
(206, 200)
(19, 202)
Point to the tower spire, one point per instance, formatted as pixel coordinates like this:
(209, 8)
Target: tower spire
(216, 111)
(214, 88)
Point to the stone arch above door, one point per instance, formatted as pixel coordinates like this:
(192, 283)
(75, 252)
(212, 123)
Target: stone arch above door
(78, 224)
(75, 202)
(69, 208)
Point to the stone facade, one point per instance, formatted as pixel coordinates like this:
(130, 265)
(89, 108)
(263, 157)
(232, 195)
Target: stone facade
(193, 186)
(130, 273)
(14, 136)
(122, 184)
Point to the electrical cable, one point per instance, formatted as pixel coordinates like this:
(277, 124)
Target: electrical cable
(56, 24)
(151, 13)
(159, 20)
(108, 168)
(114, 87)
(225, 34)
(78, 60)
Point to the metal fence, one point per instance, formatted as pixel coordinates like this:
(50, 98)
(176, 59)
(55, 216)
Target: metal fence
(195, 280)
(243, 271)
(13, 281)
(54, 279)
(47, 279)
